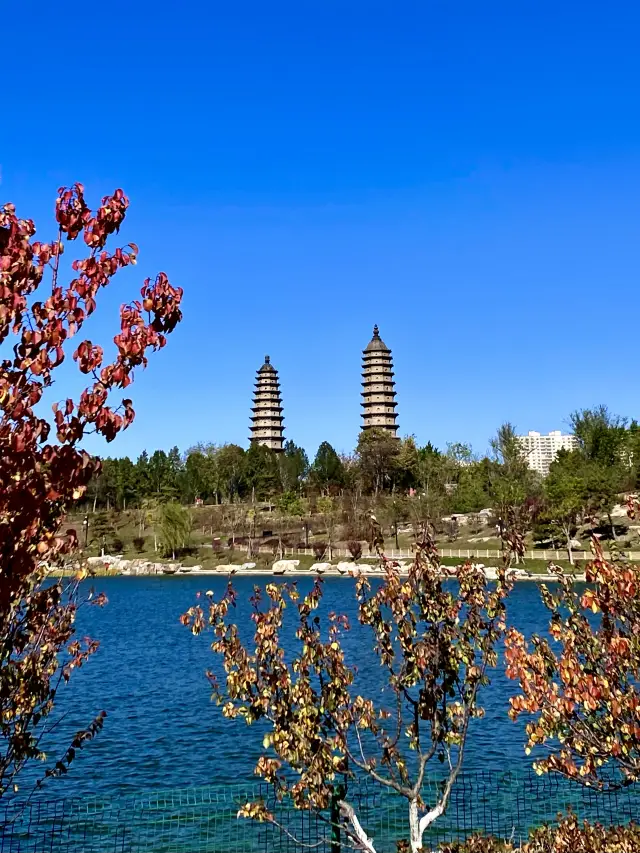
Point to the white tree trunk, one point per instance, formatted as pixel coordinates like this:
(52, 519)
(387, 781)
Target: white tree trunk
(415, 835)
(427, 819)
(365, 842)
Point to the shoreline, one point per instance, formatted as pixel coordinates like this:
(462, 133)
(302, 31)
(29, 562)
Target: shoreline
(519, 576)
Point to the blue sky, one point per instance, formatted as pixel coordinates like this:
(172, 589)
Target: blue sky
(466, 175)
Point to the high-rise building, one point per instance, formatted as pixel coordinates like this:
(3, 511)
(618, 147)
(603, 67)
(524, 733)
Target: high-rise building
(378, 394)
(266, 420)
(540, 450)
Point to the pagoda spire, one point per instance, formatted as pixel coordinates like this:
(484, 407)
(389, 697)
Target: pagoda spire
(378, 388)
(266, 419)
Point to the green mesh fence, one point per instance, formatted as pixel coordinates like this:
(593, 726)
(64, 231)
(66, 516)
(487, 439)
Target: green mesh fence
(203, 820)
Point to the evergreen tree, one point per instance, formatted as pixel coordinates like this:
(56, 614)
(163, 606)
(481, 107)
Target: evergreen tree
(262, 471)
(327, 471)
(294, 467)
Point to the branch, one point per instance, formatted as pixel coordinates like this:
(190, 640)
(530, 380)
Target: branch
(294, 838)
(363, 840)
(389, 783)
(439, 809)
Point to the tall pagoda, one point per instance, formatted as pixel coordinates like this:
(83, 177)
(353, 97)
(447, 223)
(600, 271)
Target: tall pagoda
(266, 420)
(378, 394)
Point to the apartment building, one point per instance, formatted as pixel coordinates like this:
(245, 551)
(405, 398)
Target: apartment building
(540, 450)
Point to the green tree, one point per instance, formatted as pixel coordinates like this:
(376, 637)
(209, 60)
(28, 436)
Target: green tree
(175, 527)
(159, 471)
(431, 500)
(512, 484)
(100, 527)
(563, 498)
(327, 471)
(472, 492)
(603, 442)
(232, 464)
(377, 453)
(407, 463)
(294, 467)
(125, 482)
(262, 471)
(201, 475)
(144, 487)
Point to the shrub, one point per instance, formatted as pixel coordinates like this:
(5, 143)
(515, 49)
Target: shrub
(117, 545)
(138, 543)
(355, 548)
(478, 844)
(571, 834)
(565, 837)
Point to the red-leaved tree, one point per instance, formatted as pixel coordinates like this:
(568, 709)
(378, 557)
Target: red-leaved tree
(44, 470)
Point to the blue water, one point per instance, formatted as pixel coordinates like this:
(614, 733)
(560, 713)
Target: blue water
(162, 730)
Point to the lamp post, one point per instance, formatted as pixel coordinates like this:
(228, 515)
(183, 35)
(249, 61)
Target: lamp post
(85, 524)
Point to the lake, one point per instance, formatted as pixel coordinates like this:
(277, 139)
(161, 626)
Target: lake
(162, 729)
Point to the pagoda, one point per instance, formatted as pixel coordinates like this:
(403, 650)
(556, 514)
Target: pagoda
(378, 394)
(266, 420)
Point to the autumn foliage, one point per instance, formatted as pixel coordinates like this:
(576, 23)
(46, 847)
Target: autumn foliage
(42, 468)
(580, 687)
(434, 642)
(570, 835)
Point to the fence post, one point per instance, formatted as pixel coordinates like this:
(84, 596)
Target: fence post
(337, 795)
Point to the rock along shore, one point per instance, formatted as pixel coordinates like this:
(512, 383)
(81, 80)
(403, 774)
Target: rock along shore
(117, 565)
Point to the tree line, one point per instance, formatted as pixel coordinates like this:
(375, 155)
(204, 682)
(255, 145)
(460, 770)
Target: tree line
(424, 483)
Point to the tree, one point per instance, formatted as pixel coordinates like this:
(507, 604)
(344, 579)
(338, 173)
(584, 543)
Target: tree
(394, 511)
(288, 506)
(435, 646)
(407, 463)
(233, 517)
(603, 441)
(101, 527)
(326, 507)
(143, 477)
(294, 467)
(511, 485)
(231, 467)
(580, 689)
(327, 470)
(175, 527)
(159, 472)
(430, 502)
(40, 480)
(473, 487)
(201, 473)
(261, 471)
(378, 457)
(563, 498)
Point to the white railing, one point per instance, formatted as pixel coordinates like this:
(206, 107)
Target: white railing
(459, 553)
